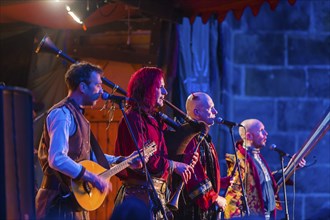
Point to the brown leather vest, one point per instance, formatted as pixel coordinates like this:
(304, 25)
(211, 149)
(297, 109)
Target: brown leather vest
(79, 142)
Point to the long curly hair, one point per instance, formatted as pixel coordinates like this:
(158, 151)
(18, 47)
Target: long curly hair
(142, 86)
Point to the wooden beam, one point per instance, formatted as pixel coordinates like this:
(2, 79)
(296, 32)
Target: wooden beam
(164, 9)
(129, 54)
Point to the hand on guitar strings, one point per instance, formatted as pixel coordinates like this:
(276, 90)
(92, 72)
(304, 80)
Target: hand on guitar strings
(96, 181)
(136, 163)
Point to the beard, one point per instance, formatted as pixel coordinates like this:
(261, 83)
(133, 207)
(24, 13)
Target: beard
(259, 145)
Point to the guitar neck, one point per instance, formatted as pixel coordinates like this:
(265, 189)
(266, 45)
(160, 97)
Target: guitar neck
(117, 168)
(149, 149)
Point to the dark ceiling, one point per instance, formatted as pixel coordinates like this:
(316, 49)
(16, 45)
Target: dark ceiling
(52, 13)
(130, 30)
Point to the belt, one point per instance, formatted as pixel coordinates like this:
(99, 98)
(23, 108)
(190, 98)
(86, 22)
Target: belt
(160, 185)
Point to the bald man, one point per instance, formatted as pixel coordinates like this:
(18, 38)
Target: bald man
(201, 194)
(260, 185)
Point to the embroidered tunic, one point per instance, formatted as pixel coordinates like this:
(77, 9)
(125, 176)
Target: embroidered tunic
(256, 193)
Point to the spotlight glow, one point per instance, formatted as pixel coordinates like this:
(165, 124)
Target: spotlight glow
(73, 15)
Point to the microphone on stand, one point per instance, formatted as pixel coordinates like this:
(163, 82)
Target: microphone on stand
(113, 86)
(282, 153)
(219, 120)
(186, 117)
(169, 121)
(115, 98)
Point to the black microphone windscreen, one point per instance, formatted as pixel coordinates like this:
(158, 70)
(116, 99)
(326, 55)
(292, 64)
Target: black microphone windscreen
(272, 146)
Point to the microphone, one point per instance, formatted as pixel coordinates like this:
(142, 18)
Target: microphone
(183, 115)
(113, 86)
(282, 153)
(219, 120)
(169, 121)
(115, 98)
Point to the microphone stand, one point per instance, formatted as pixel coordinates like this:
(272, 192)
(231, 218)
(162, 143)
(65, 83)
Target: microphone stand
(284, 187)
(153, 194)
(243, 198)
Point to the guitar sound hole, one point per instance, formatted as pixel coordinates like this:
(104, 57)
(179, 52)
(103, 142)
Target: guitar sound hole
(87, 187)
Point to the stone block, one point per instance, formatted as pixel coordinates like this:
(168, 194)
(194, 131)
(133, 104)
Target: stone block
(319, 82)
(317, 207)
(309, 50)
(298, 115)
(321, 12)
(318, 182)
(253, 48)
(263, 110)
(275, 82)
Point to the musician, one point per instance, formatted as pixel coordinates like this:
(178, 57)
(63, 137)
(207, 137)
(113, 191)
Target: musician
(201, 194)
(147, 88)
(65, 141)
(260, 185)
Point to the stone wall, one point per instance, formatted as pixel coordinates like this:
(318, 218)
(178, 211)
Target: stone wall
(277, 69)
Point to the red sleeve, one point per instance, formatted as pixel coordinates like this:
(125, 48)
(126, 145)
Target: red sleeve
(143, 130)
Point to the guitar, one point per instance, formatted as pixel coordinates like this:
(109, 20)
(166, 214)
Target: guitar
(90, 198)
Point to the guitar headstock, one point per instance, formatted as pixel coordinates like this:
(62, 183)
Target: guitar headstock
(150, 148)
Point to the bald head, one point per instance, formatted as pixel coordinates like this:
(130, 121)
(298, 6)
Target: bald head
(196, 100)
(200, 106)
(253, 133)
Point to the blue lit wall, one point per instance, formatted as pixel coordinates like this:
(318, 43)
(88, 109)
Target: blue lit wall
(275, 67)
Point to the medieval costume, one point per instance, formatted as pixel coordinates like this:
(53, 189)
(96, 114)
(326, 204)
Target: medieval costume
(145, 128)
(203, 188)
(259, 184)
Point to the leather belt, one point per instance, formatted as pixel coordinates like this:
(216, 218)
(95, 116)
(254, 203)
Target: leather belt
(160, 185)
